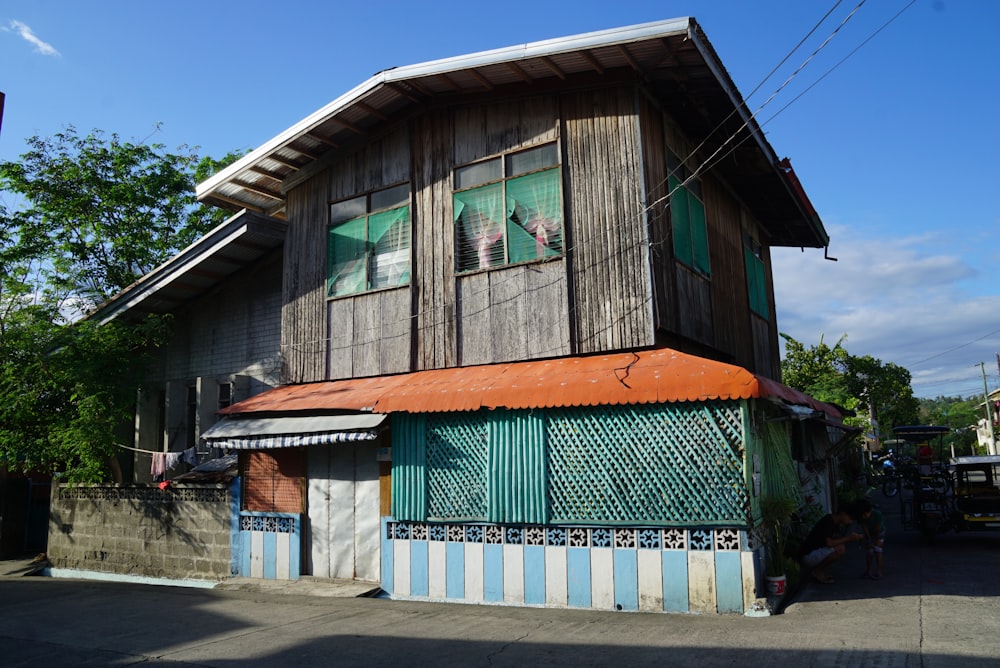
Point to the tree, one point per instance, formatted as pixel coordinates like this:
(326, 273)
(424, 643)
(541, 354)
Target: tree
(91, 215)
(66, 389)
(961, 415)
(100, 213)
(833, 375)
(817, 370)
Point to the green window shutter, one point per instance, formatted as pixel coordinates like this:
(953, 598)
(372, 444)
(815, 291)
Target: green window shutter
(756, 282)
(347, 258)
(534, 216)
(699, 235)
(762, 308)
(517, 467)
(680, 221)
(750, 261)
(389, 236)
(409, 473)
(479, 227)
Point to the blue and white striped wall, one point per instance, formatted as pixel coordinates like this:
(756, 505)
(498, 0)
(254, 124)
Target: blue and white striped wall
(268, 545)
(602, 568)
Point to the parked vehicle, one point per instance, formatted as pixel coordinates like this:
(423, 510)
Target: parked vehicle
(976, 492)
(963, 495)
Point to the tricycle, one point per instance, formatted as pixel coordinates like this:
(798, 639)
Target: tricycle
(934, 498)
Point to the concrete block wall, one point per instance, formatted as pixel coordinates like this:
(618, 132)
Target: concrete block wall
(181, 532)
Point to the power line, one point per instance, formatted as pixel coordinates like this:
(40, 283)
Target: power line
(969, 343)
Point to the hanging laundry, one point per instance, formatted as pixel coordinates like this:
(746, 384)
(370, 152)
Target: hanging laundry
(158, 466)
(190, 456)
(171, 460)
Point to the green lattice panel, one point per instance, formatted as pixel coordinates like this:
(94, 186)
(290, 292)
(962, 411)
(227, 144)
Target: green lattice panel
(675, 463)
(456, 466)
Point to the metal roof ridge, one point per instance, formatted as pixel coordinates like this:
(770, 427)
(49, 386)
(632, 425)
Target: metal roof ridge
(467, 61)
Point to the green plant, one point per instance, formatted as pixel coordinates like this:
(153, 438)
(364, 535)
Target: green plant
(776, 513)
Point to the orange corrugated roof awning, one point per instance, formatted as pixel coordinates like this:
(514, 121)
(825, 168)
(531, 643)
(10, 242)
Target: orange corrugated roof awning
(644, 377)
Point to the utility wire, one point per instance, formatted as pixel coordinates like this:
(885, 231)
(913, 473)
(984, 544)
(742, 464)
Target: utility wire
(928, 359)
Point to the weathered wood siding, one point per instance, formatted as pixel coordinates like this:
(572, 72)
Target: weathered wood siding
(704, 315)
(611, 291)
(367, 334)
(514, 314)
(519, 312)
(731, 319)
(664, 279)
(303, 327)
(617, 287)
(433, 243)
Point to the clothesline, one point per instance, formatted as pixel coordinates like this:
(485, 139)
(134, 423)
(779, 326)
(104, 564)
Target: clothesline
(162, 461)
(148, 452)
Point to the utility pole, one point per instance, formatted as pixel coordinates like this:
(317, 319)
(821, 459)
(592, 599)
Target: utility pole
(992, 445)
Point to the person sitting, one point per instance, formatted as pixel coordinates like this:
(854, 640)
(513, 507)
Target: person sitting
(826, 543)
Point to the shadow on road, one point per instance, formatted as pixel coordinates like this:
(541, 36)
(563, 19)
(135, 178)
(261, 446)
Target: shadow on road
(953, 564)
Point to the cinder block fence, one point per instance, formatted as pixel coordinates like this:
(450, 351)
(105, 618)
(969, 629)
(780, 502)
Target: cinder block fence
(181, 532)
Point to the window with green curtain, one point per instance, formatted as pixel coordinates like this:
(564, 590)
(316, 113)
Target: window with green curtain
(534, 216)
(347, 251)
(756, 277)
(508, 209)
(371, 250)
(687, 217)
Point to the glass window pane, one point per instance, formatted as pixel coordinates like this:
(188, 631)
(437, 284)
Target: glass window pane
(532, 160)
(534, 210)
(390, 198)
(347, 253)
(348, 209)
(481, 172)
(389, 235)
(479, 226)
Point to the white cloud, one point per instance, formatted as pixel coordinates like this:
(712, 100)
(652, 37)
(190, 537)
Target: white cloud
(898, 300)
(29, 36)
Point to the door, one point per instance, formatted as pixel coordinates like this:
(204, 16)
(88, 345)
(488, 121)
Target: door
(343, 511)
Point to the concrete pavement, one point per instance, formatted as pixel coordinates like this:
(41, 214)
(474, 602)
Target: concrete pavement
(938, 606)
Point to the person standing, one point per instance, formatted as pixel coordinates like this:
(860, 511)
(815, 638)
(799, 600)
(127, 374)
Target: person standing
(871, 521)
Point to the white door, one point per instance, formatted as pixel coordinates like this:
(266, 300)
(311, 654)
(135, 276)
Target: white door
(343, 512)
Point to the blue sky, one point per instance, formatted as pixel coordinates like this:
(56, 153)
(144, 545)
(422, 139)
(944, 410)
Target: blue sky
(892, 126)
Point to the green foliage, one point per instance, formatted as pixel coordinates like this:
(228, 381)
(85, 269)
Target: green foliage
(833, 375)
(98, 213)
(82, 218)
(776, 513)
(65, 389)
(959, 414)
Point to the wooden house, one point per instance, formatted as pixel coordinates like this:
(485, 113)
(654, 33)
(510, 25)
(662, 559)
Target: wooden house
(528, 349)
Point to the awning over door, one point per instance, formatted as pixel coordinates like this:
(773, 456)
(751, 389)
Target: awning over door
(293, 432)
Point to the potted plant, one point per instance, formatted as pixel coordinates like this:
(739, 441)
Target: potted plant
(776, 512)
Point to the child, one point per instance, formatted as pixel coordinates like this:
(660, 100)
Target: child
(871, 521)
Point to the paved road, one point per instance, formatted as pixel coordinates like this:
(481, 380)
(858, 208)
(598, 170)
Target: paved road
(938, 606)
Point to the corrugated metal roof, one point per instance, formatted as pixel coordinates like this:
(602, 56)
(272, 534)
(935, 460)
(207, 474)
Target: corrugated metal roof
(234, 244)
(673, 58)
(653, 376)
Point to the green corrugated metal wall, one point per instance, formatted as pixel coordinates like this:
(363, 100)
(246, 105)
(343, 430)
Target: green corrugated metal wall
(671, 464)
